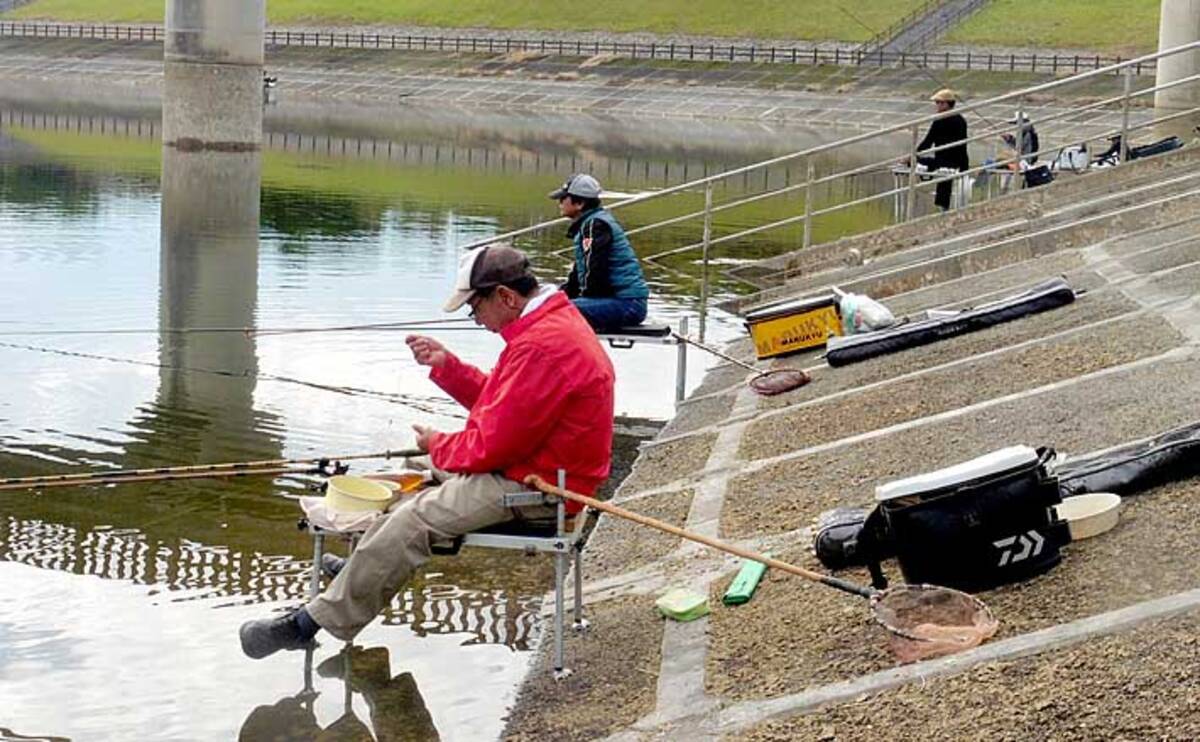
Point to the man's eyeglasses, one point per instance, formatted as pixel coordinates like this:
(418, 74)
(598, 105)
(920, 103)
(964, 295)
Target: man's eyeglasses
(481, 295)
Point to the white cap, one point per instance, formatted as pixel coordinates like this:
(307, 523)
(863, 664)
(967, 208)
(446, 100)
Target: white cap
(485, 267)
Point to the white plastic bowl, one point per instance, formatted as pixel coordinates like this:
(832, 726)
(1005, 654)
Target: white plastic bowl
(349, 494)
(1091, 514)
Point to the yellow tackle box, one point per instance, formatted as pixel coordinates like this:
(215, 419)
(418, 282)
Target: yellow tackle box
(798, 324)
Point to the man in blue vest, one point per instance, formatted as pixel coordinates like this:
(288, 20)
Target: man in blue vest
(606, 282)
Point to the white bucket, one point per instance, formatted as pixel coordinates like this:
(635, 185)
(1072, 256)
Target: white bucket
(1089, 515)
(356, 494)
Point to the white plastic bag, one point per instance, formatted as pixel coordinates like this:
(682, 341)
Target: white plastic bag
(1073, 158)
(860, 313)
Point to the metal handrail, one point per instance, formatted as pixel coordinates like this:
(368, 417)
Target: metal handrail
(1017, 96)
(903, 194)
(887, 34)
(947, 22)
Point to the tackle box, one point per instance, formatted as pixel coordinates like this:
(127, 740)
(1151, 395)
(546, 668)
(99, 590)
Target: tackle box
(791, 326)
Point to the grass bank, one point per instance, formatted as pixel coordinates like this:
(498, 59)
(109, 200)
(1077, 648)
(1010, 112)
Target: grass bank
(1125, 27)
(817, 20)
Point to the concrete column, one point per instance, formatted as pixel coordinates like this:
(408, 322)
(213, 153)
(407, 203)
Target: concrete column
(1179, 23)
(208, 277)
(212, 67)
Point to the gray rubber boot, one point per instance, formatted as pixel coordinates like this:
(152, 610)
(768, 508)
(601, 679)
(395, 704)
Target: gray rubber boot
(266, 636)
(331, 564)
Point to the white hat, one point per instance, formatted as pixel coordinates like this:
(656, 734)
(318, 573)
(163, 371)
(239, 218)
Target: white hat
(485, 267)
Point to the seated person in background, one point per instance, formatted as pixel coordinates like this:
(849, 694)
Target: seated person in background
(606, 281)
(1029, 139)
(546, 405)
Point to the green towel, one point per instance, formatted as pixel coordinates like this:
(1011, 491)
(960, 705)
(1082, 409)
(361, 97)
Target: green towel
(744, 585)
(683, 605)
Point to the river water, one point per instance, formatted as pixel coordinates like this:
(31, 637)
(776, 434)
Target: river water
(121, 604)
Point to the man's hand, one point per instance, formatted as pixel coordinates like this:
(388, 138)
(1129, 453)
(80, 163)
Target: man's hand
(427, 351)
(424, 436)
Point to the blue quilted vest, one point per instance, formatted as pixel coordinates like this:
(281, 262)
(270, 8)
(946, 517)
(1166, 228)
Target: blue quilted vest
(625, 273)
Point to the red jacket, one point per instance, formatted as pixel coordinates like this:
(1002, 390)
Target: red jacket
(548, 403)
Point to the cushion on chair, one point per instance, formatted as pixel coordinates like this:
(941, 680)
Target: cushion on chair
(543, 527)
(649, 331)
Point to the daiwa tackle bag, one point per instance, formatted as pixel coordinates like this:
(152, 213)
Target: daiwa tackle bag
(976, 525)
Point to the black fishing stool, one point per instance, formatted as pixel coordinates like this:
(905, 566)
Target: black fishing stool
(557, 535)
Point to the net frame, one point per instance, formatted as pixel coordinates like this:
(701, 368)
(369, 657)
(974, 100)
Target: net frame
(779, 380)
(936, 622)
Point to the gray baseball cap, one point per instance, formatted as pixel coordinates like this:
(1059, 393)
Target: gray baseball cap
(579, 184)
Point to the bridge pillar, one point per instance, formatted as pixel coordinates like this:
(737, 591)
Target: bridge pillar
(212, 67)
(1179, 23)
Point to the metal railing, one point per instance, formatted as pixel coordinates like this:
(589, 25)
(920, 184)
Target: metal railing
(791, 54)
(879, 40)
(945, 22)
(1117, 107)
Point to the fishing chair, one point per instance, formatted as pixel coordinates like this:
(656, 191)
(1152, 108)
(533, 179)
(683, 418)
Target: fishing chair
(560, 535)
(659, 334)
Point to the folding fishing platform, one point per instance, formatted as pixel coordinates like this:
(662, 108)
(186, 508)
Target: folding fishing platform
(658, 334)
(560, 536)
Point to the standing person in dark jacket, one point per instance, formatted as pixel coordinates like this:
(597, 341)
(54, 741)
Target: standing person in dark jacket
(606, 282)
(943, 131)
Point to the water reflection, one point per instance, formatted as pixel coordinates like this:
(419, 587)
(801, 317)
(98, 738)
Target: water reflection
(395, 708)
(101, 229)
(147, 664)
(459, 179)
(200, 571)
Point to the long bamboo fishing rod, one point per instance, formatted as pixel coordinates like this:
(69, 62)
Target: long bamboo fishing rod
(233, 467)
(157, 478)
(427, 324)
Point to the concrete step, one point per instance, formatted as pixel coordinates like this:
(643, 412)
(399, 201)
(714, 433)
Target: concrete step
(980, 221)
(1134, 242)
(977, 377)
(1013, 250)
(800, 636)
(1083, 414)
(1062, 215)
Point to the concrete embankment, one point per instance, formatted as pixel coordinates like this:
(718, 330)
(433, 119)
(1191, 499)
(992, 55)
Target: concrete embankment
(800, 661)
(98, 72)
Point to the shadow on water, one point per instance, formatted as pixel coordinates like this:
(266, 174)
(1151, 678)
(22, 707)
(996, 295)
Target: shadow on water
(394, 705)
(132, 595)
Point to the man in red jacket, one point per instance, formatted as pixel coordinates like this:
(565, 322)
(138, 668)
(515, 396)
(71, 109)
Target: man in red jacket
(547, 404)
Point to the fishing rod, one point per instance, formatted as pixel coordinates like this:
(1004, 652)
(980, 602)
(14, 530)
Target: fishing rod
(428, 324)
(321, 464)
(157, 478)
(408, 400)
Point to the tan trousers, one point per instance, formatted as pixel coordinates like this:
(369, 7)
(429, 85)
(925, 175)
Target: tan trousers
(399, 542)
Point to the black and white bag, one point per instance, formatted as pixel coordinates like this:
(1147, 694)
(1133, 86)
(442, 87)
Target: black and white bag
(977, 525)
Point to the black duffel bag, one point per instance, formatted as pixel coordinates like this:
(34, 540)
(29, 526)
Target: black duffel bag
(977, 525)
(1134, 467)
(1039, 175)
